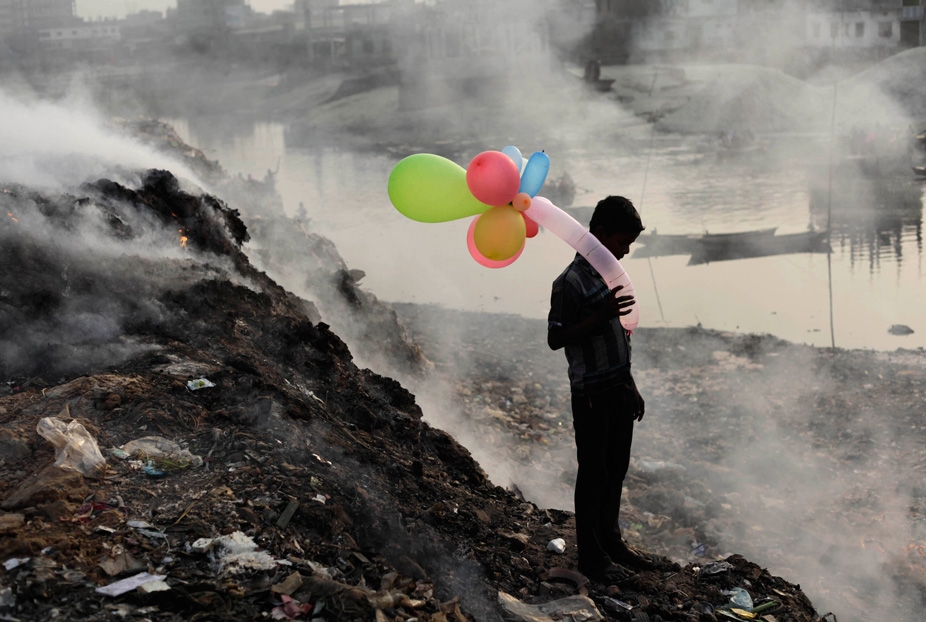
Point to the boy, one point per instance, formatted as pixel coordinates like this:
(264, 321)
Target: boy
(585, 320)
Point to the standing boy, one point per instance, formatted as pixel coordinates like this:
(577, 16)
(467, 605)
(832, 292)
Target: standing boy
(585, 320)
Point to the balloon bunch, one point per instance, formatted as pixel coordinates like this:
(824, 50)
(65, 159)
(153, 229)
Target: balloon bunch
(499, 188)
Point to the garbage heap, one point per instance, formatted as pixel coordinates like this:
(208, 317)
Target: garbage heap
(183, 439)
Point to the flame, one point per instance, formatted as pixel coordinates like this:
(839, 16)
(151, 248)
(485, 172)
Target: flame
(183, 238)
(10, 214)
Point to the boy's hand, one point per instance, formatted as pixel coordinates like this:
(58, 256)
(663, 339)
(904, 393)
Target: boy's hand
(614, 305)
(641, 405)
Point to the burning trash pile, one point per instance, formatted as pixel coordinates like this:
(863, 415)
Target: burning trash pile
(182, 438)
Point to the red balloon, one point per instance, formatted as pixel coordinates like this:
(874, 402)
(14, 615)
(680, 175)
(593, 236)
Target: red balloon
(493, 178)
(532, 227)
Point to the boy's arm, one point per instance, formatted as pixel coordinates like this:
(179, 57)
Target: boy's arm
(609, 308)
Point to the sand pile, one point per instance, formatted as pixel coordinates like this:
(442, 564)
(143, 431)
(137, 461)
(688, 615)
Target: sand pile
(740, 97)
(892, 92)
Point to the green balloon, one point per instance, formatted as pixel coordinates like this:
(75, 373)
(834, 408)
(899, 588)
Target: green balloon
(430, 188)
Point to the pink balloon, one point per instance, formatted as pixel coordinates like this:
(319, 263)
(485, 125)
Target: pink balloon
(479, 257)
(493, 178)
(532, 227)
(568, 229)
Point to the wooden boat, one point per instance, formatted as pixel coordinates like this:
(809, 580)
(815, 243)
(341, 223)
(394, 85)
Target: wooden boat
(658, 244)
(760, 246)
(601, 85)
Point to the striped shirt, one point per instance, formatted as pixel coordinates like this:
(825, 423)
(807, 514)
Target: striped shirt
(603, 358)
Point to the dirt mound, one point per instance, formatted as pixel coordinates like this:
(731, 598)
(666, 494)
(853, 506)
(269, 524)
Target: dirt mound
(900, 78)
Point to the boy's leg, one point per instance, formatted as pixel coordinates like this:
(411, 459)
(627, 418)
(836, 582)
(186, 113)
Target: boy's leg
(591, 430)
(622, 408)
(617, 409)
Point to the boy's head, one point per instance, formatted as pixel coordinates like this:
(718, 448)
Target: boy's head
(616, 215)
(617, 224)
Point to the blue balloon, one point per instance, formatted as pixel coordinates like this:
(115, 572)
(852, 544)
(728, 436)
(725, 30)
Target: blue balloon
(515, 154)
(535, 173)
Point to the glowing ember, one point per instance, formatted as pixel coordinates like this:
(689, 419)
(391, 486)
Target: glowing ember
(183, 238)
(10, 214)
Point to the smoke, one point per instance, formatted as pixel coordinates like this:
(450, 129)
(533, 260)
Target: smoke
(71, 303)
(819, 495)
(59, 145)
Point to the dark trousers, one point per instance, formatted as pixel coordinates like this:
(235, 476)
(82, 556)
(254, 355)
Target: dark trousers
(604, 432)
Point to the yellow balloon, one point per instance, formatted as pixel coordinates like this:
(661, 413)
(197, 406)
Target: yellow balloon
(500, 233)
(430, 188)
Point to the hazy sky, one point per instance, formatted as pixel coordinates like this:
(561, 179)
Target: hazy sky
(92, 9)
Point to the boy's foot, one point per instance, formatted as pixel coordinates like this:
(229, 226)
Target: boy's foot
(624, 555)
(612, 574)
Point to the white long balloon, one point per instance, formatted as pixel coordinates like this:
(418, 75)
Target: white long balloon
(568, 229)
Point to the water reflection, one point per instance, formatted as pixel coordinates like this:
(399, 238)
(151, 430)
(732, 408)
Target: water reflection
(875, 210)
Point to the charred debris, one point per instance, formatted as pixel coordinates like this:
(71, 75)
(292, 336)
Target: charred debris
(252, 469)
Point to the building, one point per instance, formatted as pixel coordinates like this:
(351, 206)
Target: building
(775, 32)
(350, 34)
(853, 24)
(211, 17)
(21, 20)
(6, 19)
(912, 24)
(87, 40)
(461, 49)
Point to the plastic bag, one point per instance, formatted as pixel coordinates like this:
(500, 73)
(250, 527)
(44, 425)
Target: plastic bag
(165, 453)
(75, 448)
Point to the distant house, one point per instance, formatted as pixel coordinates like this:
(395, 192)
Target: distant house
(912, 23)
(211, 17)
(769, 31)
(6, 19)
(854, 25)
(86, 38)
(351, 34)
(22, 20)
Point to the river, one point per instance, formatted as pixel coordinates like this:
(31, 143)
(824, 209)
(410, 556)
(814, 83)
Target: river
(872, 280)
